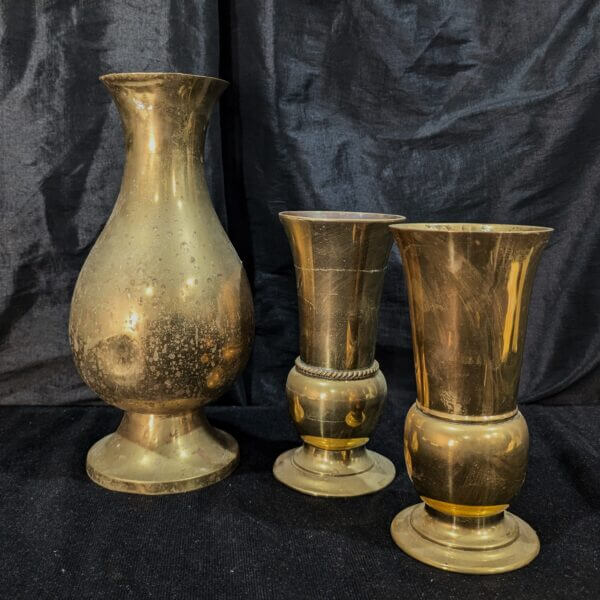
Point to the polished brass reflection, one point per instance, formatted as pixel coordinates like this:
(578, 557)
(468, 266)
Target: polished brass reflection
(465, 442)
(336, 390)
(161, 318)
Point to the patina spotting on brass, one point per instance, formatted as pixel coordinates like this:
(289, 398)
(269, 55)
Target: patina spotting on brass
(465, 442)
(161, 318)
(336, 390)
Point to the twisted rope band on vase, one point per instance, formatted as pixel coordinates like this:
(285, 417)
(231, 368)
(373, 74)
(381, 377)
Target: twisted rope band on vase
(335, 390)
(336, 374)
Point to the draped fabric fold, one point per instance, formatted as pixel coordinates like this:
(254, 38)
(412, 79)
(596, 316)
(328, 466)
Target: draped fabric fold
(454, 111)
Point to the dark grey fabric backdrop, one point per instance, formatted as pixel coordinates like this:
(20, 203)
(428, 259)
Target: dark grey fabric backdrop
(442, 111)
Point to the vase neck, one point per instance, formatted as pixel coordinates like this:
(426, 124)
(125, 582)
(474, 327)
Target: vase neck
(339, 266)
(164, 117)
(468, 288)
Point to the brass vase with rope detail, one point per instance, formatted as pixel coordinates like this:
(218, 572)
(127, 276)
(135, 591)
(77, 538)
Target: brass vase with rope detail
(336, 390)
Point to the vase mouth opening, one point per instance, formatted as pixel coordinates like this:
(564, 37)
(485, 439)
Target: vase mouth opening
(340, 216)
(470, 228)
(143, 77)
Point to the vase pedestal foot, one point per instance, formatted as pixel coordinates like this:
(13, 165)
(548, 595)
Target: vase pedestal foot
(162, 454)
(476, 545)
(334, 473)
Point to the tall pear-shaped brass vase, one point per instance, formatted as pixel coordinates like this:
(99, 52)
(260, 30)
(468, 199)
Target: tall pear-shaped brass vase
(465, 442)
(161, 318)
(336, 390)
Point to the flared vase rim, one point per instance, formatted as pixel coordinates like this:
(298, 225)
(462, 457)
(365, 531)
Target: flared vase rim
(340, 216)
(142, 76)
(471, 228)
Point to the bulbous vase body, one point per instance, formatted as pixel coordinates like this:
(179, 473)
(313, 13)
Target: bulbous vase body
(465, 442)
(161, 318)
(336, 390)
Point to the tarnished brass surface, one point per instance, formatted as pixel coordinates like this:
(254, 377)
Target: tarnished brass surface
(162, 454)
(336, 389)
(161, 318)
(465, 442)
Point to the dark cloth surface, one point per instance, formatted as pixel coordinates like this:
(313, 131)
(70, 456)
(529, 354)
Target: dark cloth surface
(250, 537)
(442, 111)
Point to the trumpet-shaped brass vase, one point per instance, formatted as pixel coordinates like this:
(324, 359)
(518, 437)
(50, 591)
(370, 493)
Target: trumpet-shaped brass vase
(161, 318)
(465, 442)
(336, 390)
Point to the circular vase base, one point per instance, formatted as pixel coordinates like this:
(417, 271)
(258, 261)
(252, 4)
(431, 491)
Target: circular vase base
(335, 476)
(506, 545)
(187, 459)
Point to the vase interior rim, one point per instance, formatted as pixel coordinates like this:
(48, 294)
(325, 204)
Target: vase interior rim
(146, 75)
(471, 228)
(341, 215)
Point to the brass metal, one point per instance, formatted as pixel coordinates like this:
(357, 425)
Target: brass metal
(336, 390)
(465, 442)
(161, 319)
